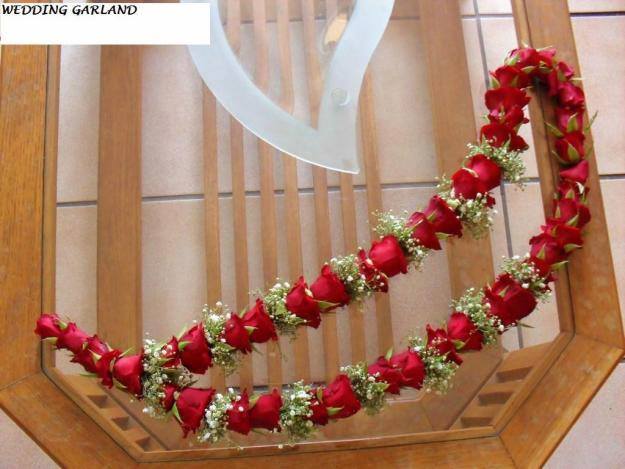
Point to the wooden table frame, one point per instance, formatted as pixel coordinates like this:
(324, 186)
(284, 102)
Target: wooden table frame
(563, 381)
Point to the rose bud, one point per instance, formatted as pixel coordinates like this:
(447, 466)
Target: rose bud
(460, 328)
(384, 371)
(546, 247)
(561, 72)
(300, 302)
(438, 340)
(498, 135)
(238, 416)
(329, 288)
(96, 357)
(170, 352)
(572, 190)
(423, 232)
(374, 278)
(264, 328)
(569, 119)
(570, 95)
(127, 371)
(487, 171)
(523, 57)
(340, 395)
(509, 75)
(543, 268)
(570, 147)
(577, 173)
(265, 413)
(191, 405)
(511, 118)
(503, 99)
(48, 326)
(466, 184)
(194, 354)
(388, 256)
(236, 334)
(411, 366)
(170, 396)
(72, 338)
(319, 412)
(508, 300)
(569, 237)
(442, 217)
(572, 212)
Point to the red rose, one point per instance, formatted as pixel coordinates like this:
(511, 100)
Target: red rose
(570, 147)
(424, 233)
(48, 325)
(127, 371)
(508, 300)
(384, 371)
(266, 412)
(319, 412)
(571, 190)
(72, 338)
(571, 211)
(466, 184)
(577, 173)
(264, 328)
(569, 237)
(438, 340)
(96, 358)
(170, 352)
(236, 334)
(340, 395)
(560, 73)
(499, 134)
(170, 396)
(374, 278)
(511, 118)
(509, 75)
(238, 416)
(543, 268)
(501, 100)
(194, 352)
(329, 288)
(569, 119)
(570, 95)
(411, 366)
(388, 256)
(191, 404)
(300, 302)
(487, 171)
(460, 328)
(547, 248)
(442, 217)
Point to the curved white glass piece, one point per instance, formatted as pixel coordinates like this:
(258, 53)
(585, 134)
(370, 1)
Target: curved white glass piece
(333, 143)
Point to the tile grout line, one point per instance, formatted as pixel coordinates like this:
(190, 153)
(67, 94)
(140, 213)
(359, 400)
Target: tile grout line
(504, 200)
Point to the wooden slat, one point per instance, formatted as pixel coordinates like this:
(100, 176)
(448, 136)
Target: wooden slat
(267, 194)
(119, 197)
(374, 203)
(291, 192)
(470, 260)
(48, 294)
(320, 185)
(22, 126)
(239, 217)
(593, 282)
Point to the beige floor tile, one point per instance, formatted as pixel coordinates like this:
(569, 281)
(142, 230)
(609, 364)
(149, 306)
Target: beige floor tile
(598, 437)
(602, 59)
(596, 6)
(494, 6)
(18, 450)
(613, 195)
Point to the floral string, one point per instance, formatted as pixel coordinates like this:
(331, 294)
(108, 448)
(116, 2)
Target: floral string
(163, 374)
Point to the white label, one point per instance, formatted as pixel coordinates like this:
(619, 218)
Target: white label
(105, 23)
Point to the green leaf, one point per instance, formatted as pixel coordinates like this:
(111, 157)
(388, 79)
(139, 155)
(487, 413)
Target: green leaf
(389, 353)
(592, 121)
(86, 374)
(527, 326)
(320, 394)
(558, 265)
(255, 349)
(554, 130)
(573, 154)
(50, 340)
(571, 247)
(334, 410)
(528, 69)
(326, 304)
(494, 83)
(571, 125)
(253, 400)
(183, 344)
(459, 344)
(573, 221)
(174, 410)
(442, 235)
(250, 329)
(126, 352)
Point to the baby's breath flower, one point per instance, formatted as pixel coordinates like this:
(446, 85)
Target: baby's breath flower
(347, 268)
(370, 392)
(526, 273)
(474, 213)
(224, 355)
(397, 225)
(275, 304)
(510, 161)
(214, 426)
(472, 304)
(439, 372)
(295, 412)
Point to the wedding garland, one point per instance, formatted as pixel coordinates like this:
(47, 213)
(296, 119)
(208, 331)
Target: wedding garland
(162, 374)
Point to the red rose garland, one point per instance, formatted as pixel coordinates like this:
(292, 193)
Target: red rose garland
(161, 374)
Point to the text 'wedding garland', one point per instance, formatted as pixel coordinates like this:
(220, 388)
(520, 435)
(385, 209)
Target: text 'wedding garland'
(162, 375)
